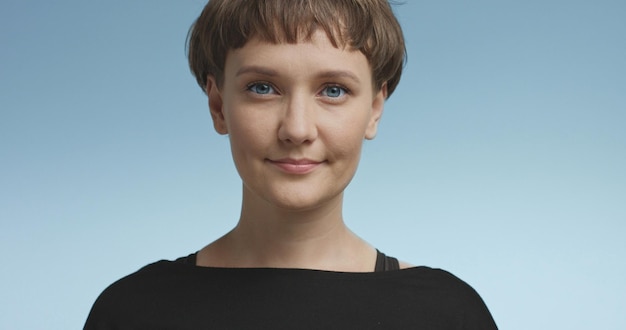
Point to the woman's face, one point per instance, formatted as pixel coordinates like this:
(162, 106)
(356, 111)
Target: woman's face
(296, 115)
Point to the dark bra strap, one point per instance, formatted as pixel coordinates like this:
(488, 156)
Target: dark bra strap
(385, 263)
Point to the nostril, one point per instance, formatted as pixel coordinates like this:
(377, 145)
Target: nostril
(297, 127)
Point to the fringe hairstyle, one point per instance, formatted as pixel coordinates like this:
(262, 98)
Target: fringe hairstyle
(368, 26)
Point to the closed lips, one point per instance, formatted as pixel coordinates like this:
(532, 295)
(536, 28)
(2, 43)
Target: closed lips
(295, 166)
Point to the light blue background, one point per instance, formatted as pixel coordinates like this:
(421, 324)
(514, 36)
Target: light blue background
(501, 156)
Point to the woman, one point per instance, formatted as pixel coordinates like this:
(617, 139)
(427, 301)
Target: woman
(297, 86)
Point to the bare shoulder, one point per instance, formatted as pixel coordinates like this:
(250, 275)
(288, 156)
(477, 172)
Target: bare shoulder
(404, 265)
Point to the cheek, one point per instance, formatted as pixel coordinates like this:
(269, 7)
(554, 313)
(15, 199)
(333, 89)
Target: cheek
(345, 142)
(351, 128)
(245, 142)
(247, 128)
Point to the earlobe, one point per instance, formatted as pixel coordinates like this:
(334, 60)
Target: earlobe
(378, 104)
(216, 106)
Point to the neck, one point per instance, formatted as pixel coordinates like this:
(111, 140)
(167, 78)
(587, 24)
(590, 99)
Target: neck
(267, 236)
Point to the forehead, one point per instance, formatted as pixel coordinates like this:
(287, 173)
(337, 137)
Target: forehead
(313, 55)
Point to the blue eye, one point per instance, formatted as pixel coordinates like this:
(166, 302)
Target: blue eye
(334, 91)
(261, 88)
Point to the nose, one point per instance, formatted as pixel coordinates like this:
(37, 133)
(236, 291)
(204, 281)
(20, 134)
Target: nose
(298, 122)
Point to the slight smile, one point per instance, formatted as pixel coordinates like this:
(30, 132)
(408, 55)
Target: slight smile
(295, 166)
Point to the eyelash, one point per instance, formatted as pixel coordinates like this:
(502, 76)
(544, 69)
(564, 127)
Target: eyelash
(345, 91)
(250, 86)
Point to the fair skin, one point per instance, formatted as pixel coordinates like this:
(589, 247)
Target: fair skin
(296, 116)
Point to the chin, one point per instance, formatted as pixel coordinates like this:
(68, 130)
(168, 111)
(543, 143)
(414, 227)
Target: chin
(301, 202)
(296, 205)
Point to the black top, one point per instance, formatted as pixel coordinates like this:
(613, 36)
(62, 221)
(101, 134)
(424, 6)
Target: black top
(383, 262)
(180, 295)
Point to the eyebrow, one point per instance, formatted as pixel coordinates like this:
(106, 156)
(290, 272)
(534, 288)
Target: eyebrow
(339, 74)
(331, 74)
(256, 69)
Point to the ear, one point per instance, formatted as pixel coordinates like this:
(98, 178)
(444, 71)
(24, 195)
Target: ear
(378, 103)
(216, 105)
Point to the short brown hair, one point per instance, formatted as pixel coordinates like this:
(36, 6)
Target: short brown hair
(365, 25)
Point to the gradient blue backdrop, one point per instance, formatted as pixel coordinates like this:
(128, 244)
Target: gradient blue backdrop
(501, 156)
